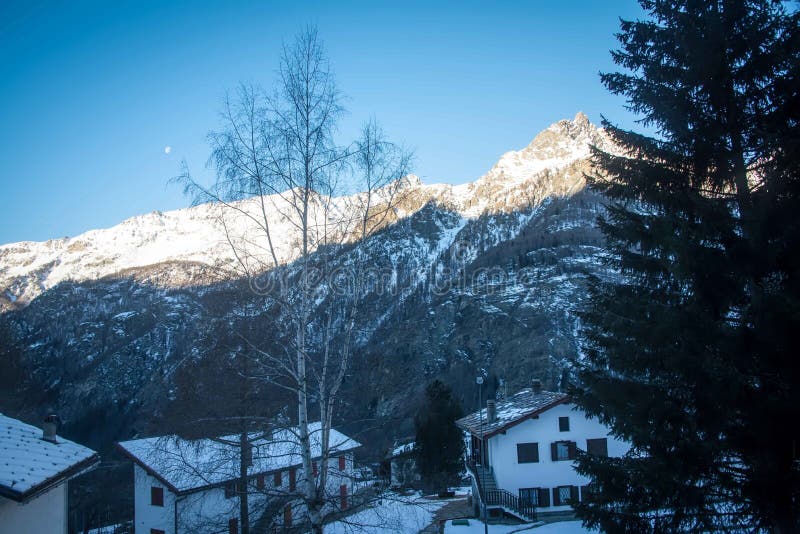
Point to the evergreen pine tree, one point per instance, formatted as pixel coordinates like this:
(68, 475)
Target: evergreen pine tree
(691, 352)
(439, 444)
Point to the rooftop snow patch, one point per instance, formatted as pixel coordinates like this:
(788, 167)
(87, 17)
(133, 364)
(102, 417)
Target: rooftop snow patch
(29, 464)
(511, 411)
(187, 465)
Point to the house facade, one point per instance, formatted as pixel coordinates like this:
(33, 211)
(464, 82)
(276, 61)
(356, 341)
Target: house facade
(183, 486)
(522, 451)
(403, 466)
(35, 469)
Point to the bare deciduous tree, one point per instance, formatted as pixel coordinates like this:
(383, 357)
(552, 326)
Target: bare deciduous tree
(281, 180)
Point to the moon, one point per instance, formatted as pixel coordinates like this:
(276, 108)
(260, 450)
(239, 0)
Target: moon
(167, 149)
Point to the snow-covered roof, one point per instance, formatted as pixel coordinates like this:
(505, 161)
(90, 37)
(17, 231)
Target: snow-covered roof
(400, 450)
(511, 411)
(186, 465)
(29, 464)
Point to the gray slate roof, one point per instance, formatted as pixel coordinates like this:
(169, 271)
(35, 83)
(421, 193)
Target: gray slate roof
(29, 464)
(511, 411)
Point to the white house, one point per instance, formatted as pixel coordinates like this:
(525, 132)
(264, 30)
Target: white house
(193, 485)
(35, 465)
(521, 452)
(403, 465)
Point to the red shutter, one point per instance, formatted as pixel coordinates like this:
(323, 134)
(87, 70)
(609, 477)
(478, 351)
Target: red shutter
(556, 497)
(260, 481)
(343, 496)
(314, 468)
(287, 515)
(233, 526)
(292, 479)
(342, 463)
(554, 451)
(278, 479)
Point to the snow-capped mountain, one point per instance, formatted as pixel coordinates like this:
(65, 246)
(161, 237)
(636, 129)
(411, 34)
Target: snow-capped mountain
(485, 277)
(519, 179)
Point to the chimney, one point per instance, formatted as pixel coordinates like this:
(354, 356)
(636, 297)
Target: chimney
(49, 428)
(491, 411)
(536, 386)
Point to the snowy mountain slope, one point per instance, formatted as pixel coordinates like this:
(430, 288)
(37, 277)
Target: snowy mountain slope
(481, 277)
(519, 179)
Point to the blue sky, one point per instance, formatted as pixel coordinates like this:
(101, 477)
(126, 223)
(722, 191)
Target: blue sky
(92, 92)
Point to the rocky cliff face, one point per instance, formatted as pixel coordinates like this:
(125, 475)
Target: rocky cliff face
(483, 277)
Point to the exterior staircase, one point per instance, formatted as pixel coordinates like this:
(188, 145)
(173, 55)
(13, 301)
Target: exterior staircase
(486, 479)
(493, 497)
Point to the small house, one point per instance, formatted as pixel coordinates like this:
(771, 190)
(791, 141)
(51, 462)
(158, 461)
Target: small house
(521, 452)
(185, 485)
(35, 467)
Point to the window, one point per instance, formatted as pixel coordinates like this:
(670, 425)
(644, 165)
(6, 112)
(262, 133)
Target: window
(597, 447)
(233, 526)
(156, 496)
(287, 515)
(342, 463)
(563, 495)
(527, 453)
(278, 479)
(538, 497)
(292, 480)
(343, 496)
(563, 450)
(563, 424)
(529, 496)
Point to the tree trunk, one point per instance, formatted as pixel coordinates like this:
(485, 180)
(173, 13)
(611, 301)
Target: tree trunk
(244, 512)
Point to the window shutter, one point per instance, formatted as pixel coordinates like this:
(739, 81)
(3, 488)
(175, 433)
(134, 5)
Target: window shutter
(585, 492)
(573, 450)
(287, 515)
(563, 424)
(278, 479)
(314, 468)
(597, 447)
(554, 451)
(573, 494)
(292, 479)
(343, 496)
(556, 497)
(156, 496)
(527, 453)
(233, 526)
(342, 463)
(544, 497)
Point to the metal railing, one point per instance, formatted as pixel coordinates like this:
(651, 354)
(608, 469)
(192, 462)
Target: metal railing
(511, 502)
(499, 497)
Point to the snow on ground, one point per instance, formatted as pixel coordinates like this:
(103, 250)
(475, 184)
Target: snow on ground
(476, 527)
(393, 513)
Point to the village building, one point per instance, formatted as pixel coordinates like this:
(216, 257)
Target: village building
(35, 467)
(185, 485)
(403, 471)
(521, 453)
